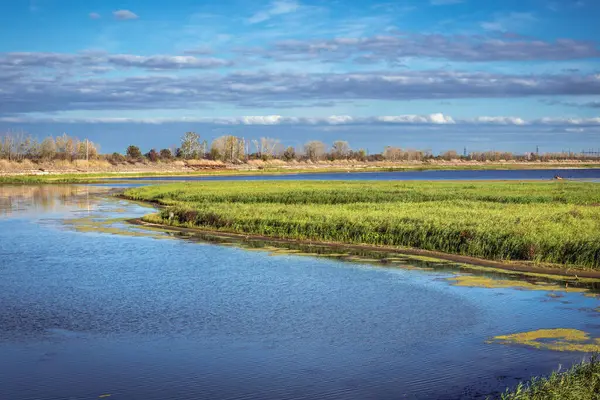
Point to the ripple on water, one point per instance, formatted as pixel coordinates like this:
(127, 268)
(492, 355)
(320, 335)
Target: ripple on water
(86, 314)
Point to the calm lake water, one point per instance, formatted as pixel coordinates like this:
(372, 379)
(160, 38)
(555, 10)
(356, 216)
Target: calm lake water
(91, 306)
(531, 174)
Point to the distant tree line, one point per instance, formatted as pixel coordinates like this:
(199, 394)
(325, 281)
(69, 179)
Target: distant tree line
(234, 149)
(18, 146)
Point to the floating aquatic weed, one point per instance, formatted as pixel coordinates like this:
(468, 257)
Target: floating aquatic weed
(429, 259)
(558, 339)
(551, 277)
(490, 283)
(113, 226)
(414, 267)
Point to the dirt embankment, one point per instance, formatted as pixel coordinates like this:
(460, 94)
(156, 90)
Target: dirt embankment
(27, 167)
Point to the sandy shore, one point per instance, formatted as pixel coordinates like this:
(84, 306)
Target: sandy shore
(27, 167)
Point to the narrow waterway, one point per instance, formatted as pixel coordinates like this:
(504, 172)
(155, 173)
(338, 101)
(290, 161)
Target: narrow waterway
(92, 307)
(583, 174)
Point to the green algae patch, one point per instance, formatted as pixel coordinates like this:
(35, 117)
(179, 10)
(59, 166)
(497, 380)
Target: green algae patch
(413, 267)
(429, 259)
(490, 283)
(113, 226)
(553, 277)
(559, 339)
(284, 251)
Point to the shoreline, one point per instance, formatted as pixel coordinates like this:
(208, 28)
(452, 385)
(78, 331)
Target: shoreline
(517, 267)
(33, 177)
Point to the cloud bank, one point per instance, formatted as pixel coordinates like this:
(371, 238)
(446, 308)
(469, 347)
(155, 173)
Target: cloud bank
(431, 119)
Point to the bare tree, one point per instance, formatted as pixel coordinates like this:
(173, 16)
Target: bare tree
(228, 148)
(269, 147)
(7, 147)
(391, 153)
(86, 150)
(340, 150)
(315, 150)
(48, 148)
(449, 155)
(191, 148)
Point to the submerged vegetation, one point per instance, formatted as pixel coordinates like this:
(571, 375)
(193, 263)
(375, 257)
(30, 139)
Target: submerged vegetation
(490, 283)
(581, 382)
(556, 223)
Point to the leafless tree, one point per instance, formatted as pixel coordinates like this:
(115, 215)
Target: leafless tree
(340, 150)
(315, 150)
(229, 148)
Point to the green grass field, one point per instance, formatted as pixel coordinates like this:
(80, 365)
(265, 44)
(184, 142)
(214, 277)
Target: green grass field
(550, 222)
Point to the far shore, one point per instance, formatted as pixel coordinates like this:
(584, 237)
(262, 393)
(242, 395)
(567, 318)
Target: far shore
(84, 171)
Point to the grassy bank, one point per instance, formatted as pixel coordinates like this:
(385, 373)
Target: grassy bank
(552, 222)
(582, 382)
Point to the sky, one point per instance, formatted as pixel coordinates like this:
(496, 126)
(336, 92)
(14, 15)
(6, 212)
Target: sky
(507, 75)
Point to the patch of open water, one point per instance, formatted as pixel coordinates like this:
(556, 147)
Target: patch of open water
(580, 174)
(91, 306)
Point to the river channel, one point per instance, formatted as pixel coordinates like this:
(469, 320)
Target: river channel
(93, 307)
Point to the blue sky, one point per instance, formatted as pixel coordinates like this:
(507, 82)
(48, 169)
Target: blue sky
(429, 74)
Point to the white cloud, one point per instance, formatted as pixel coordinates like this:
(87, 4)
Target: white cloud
(166, 61)
(339, 119)
(94, 15)
(431, 119)
(279, 7)
(500, 120)
(568, 121)
(124, 15)
(395, 47)
(416, 119)
(261, 120)
(440, 119)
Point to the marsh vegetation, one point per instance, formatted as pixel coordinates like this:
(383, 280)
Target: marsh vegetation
(581, 382)
(556, 223)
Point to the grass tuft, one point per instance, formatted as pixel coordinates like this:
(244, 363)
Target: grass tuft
(581, 382)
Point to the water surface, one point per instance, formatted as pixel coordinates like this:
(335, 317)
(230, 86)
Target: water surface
(587, 174)
(90, 306)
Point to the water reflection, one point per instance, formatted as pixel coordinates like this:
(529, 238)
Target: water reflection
(464, 275)
(23, 199)
(88, 310)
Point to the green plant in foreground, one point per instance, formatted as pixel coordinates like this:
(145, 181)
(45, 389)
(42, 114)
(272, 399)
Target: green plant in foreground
(581, 382)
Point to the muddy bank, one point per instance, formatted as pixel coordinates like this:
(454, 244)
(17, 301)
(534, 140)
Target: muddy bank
(517, 267)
